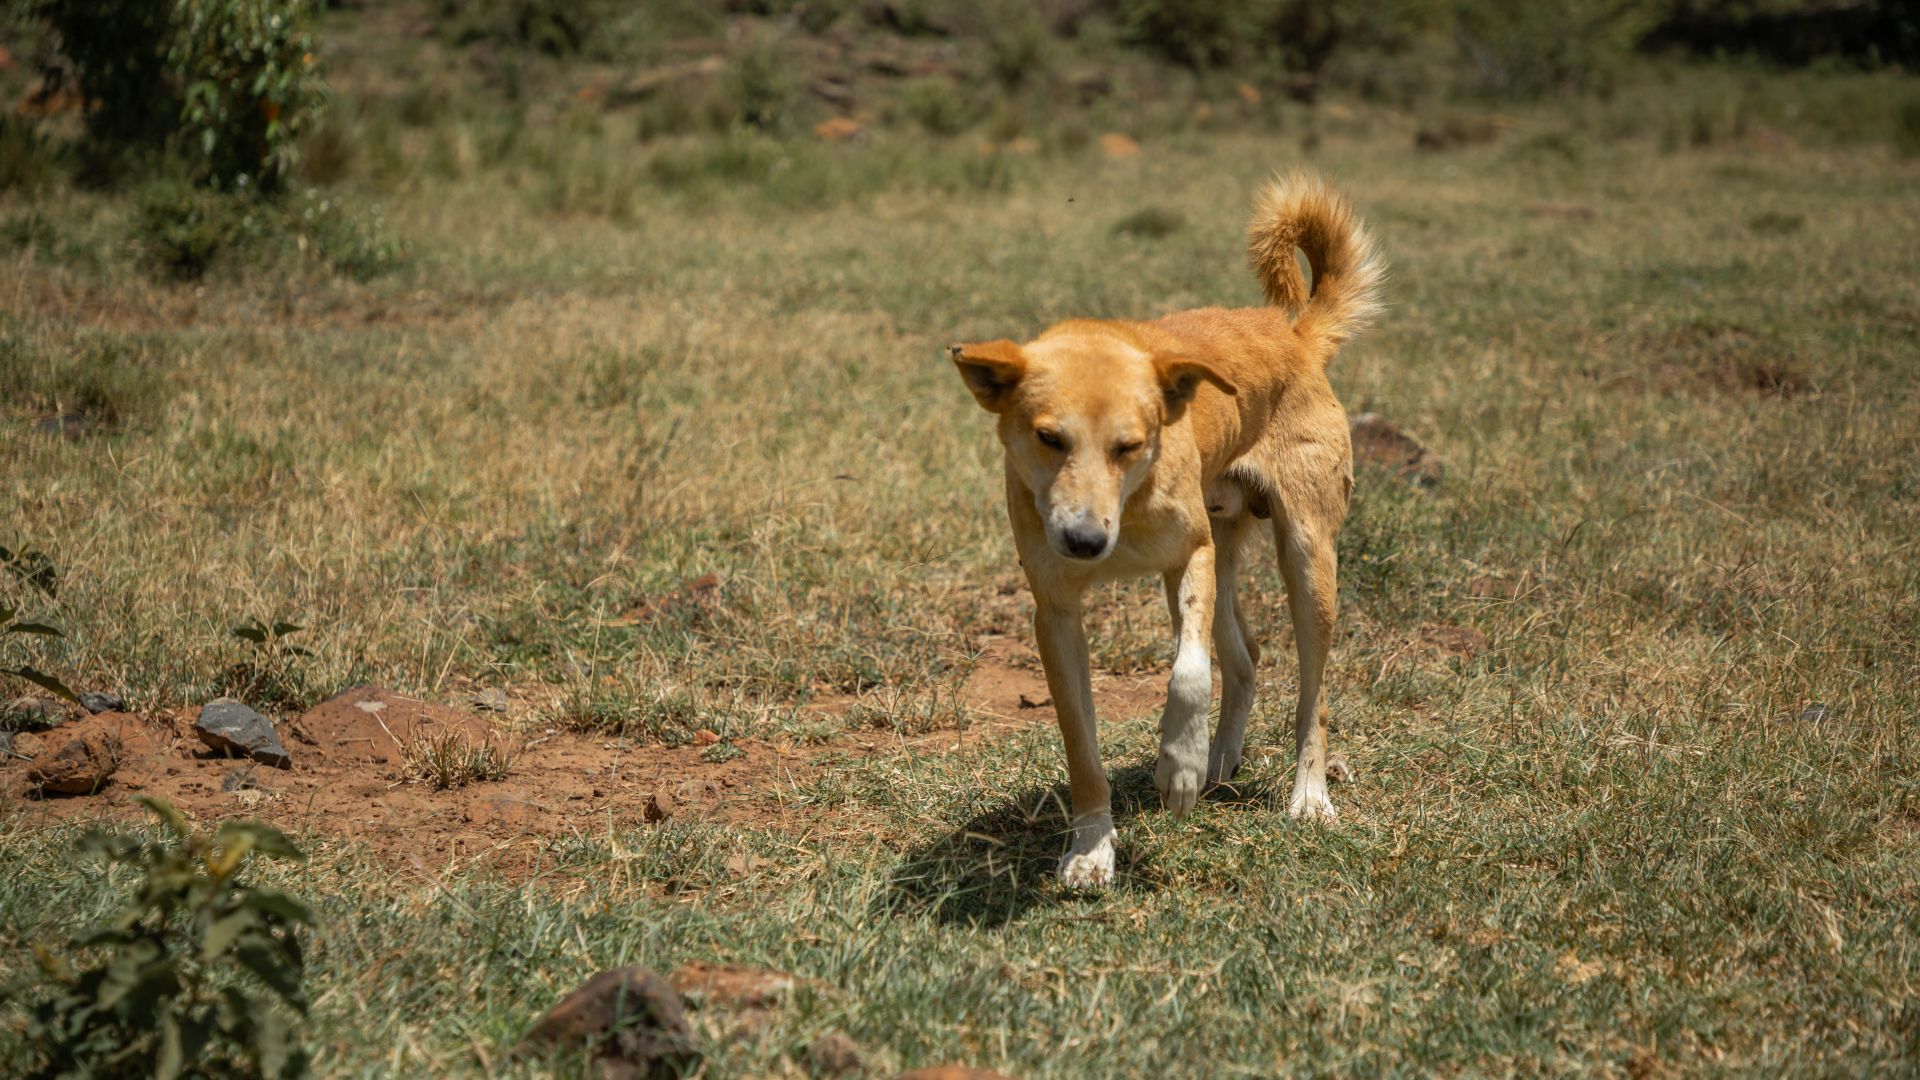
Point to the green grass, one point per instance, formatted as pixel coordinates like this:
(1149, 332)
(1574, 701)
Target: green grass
(1682, 492)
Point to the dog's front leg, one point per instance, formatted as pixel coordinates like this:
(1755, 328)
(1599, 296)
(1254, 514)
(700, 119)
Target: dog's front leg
(1057, 626)
(1181, 771)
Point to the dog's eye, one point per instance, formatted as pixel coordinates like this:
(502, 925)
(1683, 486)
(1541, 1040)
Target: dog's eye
(1050, 439)
(1127, 449)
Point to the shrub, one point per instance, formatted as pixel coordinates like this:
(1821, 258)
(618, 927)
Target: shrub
(249, 87)
(180, 230)
(938, 106)
(228, 85)
(172, 984)
(1515, 48)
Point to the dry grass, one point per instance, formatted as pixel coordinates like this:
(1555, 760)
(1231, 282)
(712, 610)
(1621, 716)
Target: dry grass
(1616, 840)
(452, 758)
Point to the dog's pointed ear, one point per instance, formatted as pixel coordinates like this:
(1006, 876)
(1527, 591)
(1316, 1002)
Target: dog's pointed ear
(991, 369)
(1181, 376)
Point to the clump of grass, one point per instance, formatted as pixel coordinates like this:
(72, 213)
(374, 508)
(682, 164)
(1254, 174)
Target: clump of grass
(1776, 223)
(452, 759)
(938, 106)
(1151, 223)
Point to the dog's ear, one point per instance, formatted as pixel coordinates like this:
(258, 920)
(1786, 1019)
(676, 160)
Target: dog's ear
(1181, 376)
(992, 369)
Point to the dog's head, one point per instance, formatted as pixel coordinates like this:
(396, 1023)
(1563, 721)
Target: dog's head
(1081, 417)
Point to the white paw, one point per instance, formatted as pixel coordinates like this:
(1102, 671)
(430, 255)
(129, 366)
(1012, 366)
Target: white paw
(1222, 764)
(1179, 775)
(1088, 863)
(1311, 804)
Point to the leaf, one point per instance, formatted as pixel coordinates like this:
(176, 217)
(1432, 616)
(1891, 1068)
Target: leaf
(276, 903)
(175, 821)
(35, 628)
(273, 970)
(264, 839)
(42, 680)
(255, 634)
(33, 568)
(171, 1058)
(282, 629)
(223, 932)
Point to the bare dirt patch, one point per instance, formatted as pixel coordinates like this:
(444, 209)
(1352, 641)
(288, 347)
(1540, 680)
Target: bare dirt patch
(351, 776)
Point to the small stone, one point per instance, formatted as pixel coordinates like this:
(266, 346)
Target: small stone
(833, 1054)
(705, 737)
(95, 702)
(659, 807)
(231, 727)
(627, 1015)
(1119, 147)
(79, 767)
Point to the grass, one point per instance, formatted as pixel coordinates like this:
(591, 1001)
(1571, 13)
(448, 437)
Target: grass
(1680, 502)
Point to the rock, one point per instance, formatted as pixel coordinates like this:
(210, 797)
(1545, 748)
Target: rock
(705, 737)
(1375, 440)
(32, 714)
(1021, 146)
(1819, 711)
(951, 1072)
(78, 767)
(1248, 92)
(626, 1016)
(833, 1054)
(1118, 147)
(232, 728)
(838, 129)
(95, 702)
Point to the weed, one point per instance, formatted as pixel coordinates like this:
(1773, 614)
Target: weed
(452, 759)
(177, 983)
(275, 673)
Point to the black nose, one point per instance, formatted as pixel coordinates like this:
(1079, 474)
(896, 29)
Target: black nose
(1084, 541)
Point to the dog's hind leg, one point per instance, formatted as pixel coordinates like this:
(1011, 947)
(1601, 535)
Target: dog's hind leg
(1236, 648)
(1309, 565)
(1181, 770)
(1062, 638)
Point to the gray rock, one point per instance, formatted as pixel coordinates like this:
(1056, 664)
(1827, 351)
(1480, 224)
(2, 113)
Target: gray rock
(95, 702)
(1819, 711)
(232, 728)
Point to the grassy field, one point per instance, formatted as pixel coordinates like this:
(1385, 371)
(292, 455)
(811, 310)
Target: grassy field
(1671, 377)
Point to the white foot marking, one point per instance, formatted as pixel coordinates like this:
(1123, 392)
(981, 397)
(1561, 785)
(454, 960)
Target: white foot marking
(1180, 772)
(1088, 863)
(1310, 803)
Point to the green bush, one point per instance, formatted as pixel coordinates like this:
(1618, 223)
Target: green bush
(181, 230)
(938, 106)
(172, 985)
(1521, 49)
(226, 85)
(249, 88)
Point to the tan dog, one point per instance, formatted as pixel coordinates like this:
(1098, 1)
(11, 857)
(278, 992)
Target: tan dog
(1139, 448)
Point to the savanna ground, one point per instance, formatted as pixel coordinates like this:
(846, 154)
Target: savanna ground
(1667, 361)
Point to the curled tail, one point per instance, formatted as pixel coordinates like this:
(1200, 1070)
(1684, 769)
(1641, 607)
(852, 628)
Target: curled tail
(1299, 210)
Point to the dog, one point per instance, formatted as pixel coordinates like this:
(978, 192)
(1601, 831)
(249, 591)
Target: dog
(1136, 448)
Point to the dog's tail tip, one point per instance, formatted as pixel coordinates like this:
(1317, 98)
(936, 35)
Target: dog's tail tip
(1300, 210)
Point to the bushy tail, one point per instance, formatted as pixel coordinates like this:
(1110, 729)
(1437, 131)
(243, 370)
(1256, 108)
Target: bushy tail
(1299, 210)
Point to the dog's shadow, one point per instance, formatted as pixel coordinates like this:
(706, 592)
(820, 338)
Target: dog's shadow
(1001, 863)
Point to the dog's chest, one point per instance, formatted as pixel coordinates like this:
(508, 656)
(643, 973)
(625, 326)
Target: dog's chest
(1153, 539)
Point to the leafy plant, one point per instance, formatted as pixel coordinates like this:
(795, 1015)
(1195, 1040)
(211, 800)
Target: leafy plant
(172, 984)
(274, 674)
(35, 570)
(250, 89)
